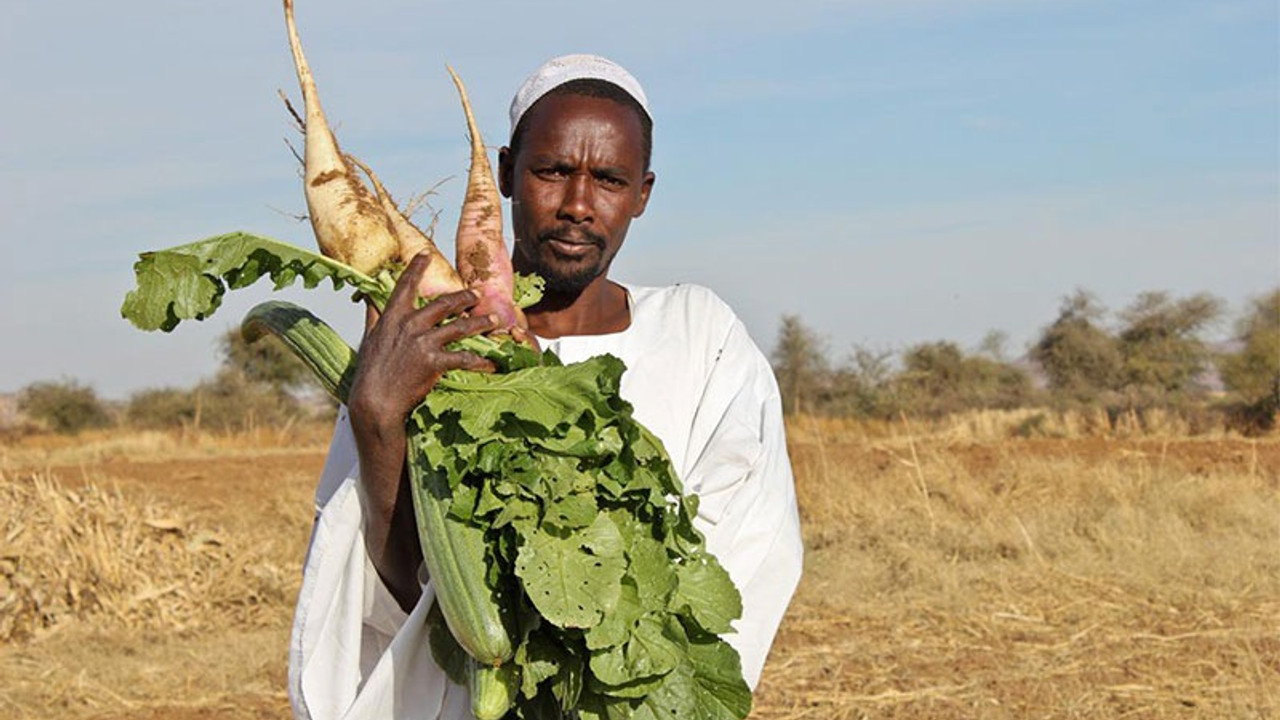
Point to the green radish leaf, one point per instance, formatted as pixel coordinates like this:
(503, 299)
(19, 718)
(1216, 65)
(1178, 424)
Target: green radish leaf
(604, 707)
(537, 397)
(617, 625)
(489, 502)
(651, 565)
(649, 651)
(706, 685)
(577, 510)
(539, 659)
(528, 290)
(574, 581)
(187, 282)
(705, 591)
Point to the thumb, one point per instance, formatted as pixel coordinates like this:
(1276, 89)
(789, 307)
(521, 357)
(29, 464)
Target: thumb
(371, 316)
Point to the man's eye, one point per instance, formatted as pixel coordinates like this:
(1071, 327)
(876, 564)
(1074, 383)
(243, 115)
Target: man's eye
(550, 172)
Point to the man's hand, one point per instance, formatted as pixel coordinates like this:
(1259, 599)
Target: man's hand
(403, 355)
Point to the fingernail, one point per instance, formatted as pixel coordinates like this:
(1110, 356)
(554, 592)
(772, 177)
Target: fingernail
(493, 319)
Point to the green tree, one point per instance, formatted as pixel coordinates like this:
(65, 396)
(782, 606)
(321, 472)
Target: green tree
(993, 345)
(65, 406)
(800, 364)
(991, 383)
(231, 401)
(1160, 340)
(1078, 356)
(931, 378)
(863, 385)
(1253, 372)
(265, 361)
(938, 378)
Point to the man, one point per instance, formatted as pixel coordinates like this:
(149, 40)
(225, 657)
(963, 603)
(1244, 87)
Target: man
(577, 173)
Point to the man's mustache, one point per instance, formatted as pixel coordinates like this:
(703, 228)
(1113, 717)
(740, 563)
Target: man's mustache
(569, 234)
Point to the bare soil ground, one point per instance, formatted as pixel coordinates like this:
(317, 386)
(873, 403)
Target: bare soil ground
(947, 576)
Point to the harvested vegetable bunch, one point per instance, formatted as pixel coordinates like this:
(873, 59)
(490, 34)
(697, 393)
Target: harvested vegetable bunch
(570, 579)
(618, 604)
(615, 606)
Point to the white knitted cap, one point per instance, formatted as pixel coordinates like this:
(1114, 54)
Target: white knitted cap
(565, 68)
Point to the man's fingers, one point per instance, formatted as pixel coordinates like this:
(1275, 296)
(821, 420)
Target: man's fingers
(469, 361)
(406, 288)
(524, 336)
(445, 306)
(371, 316)
(464, 327)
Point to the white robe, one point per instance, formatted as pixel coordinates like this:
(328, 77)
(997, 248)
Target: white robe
(700, 384)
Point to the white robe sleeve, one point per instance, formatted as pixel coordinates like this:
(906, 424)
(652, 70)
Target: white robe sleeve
(747, 504)
(354, 654)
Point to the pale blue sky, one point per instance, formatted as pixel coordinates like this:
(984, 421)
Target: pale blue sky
(893, 172)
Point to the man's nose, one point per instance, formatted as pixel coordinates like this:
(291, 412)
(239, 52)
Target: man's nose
(576, 206)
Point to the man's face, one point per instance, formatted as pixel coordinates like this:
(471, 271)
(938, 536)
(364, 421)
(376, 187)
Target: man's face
(576, 185)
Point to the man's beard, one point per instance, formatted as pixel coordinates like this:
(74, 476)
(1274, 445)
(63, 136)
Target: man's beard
(560, 282)
(566, 278)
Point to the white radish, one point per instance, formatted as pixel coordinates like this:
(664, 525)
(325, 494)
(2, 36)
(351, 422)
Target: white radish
(351, 223)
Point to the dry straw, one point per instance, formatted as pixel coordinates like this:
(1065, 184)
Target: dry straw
(957, 570)
(88, 448)
(91, 554)
(990, 565)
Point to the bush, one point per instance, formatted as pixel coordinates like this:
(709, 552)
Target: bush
(231, 401)
(160, 408)
(1254, 419)
(64, 407)
(938, 379)
(1160, 342)
(1253, 371)
(265, 361)
(1080, 358)
(863, 387)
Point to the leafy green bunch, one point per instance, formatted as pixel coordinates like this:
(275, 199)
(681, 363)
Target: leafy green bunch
(591, 547)
(589, 543)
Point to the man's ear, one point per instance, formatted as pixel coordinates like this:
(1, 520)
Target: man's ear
(646, 187)
(504, 171)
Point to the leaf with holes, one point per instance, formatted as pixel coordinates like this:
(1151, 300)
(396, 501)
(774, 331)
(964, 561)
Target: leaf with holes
(574, 580)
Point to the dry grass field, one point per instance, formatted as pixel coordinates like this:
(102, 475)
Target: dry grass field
(953, 571)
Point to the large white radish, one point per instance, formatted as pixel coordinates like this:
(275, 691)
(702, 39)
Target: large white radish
(352, 224)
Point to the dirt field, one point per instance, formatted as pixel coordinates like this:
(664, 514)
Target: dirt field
(951, 573)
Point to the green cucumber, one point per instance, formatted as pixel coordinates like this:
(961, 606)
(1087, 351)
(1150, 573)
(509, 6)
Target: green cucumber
(454, 553)
(493, 689)
(329, 357)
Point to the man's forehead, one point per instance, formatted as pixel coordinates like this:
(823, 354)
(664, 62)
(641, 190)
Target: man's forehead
(557, 114)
